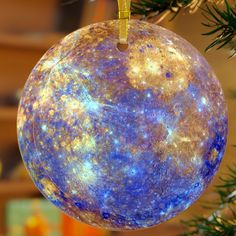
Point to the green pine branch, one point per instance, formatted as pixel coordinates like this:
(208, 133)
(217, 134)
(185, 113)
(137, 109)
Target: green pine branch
(150, 8)
(219, 223)
(222, 23)
(217, 226)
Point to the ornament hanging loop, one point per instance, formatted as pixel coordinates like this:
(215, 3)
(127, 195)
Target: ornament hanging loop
(124, 16)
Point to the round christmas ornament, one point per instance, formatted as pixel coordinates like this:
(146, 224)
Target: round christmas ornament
(122, 139)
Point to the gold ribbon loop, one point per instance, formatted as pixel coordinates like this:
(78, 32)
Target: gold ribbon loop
(124, 16)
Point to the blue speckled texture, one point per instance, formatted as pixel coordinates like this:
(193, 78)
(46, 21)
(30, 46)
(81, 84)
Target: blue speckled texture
(122, 140)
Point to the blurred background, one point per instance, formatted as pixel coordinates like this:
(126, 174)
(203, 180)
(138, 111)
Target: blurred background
(27, 29)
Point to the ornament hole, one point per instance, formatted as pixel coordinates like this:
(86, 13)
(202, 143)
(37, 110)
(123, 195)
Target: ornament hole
(122, 46)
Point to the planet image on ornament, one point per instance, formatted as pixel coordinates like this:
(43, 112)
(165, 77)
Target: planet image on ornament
(122, 140)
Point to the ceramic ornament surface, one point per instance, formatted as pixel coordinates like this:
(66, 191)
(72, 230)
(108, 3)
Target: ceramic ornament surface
(122, 140)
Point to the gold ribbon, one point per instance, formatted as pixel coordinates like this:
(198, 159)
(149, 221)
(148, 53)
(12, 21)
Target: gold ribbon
(124, 16)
